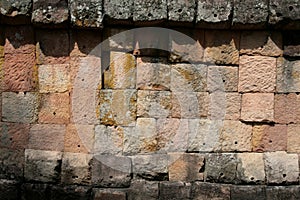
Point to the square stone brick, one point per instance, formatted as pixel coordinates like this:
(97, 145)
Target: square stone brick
(53, 78)
(55, 108)
(19, 107)
(19, 72)
(117, 107)
(257, 74)
(153, 74)
(288, 75)
(150, 10)
(14, 135)
(118, 38)
(269, 138)
(189, 78)
(47, 137)
(221, 78)
(258, 107)
(79, 138)
(121, 72)
(155, 104)
(42, 166)
(181, 11)
(11, 164)
(286, 108)
(293, 138)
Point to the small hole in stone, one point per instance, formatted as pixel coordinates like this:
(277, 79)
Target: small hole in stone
(203, 143)
(215, 15)
(74, 177)
(120, 13)
(291, 8)
(54, 113)
(235, 142)
(224, 81)
(180, 10)
(84, 115)
(82, 79)
(221, 174)
(10, 139)
(78, 145)
(251, 178)
(83, 46)
(149, 15)
(110, 177)
(48, 16)
(278, 14)
(270, 141)
(283, 175)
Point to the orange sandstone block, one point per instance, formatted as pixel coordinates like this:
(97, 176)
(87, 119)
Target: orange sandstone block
(287, 108)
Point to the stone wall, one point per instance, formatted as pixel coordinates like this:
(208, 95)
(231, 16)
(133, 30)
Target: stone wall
(96, 104)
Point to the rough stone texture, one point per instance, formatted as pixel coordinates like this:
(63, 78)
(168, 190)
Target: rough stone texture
(261, 43)
(15, 8)
(281, 192)
(118, 38)
(248, 192)
(35, 191)
(269, 138)
(55, 108)
(151, 167)
(14, 135)
(150, 10)
(9, 190)
(222, 50)
(174, 190)
(221, 78)
(47, 137)
(111, 171)
(210, 191)
(11, 164)
(250, 168)
(181, 11)
(117, 107)
(76, 168)
(257, 74)
(19, 107)
(60, 192)
(19, 72)
(109, 194)
(155, 104)
(281, 168)
(42, 166)
(108, 140)
(258, 107)
(86, 13)
(152, 75)
(141, 189)
(188, 78)
(291, 43)
(286, 108)
(50, 12)
(53, 78)
(186, 167)
(79, 138)
(119, 10)
(280, 11)
(293, 138)
(288, 75)
(121, 73)
(250, 12)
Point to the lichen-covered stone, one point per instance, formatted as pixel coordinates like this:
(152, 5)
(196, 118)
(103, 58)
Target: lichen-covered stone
(141, 189)
(286, 109)
(213, 191)
(174, 190)
(11, 164)
(293, 138)
(14, 135)
(150, 10)
(119, 9)
(221, 78)
(181, 10)
(13, 8)
(288, 75)
(280, 11)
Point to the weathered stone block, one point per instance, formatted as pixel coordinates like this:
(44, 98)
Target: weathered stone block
(257, 74)
(269, 138)
(121, 73)
(281, 168)
(86, 13)
(291, 43)
(151, 167)
(221, 78)
(118, 38)
(258, 107)
(261, 43)
(16, 8)
(181, 11)
(60, 192)
(141, 189)
(14, 135)
(293, 138)
(286, 108)
(55, 108)
(174, 190)
(288, 75)
(9, 190)
(222, 50)
(283, 192)
(47, 137)
(186, 167)
(53, 78)
(50, 12)
(211, 191)
(119, 10)
(155, 104)
(117, 107)
(109, 194)
(76, 168)
(42, 166)
(79, 138)
(111, 171)
(19, 72)
(149, 10)
(36, 191)
(153, 75)
(283, 10)
(19, 107)
(11, 164)
(248, 192)
(189, 78)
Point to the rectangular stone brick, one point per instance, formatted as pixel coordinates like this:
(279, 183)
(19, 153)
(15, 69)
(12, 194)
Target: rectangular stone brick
(150, 10)
(55, 108)
(248, 192)
(117, 107)
(213, 191)
(153, 74)
(42, 166)
(283, 192)
(47, 137)
(221, 78)
(222, 50)
(189, 78)
(118, 38)
(107, 194)
(258, 107)
(293, 138)
(257, 74)
(19, 107)
(286, 108)
(119, 10)
(174, 190)
(121, 72)
(281, 168)
(9, 189)
(53, 78)
(288, 75)
(269, 138)
(181, 11)
(11, 164)
(142, 189)
(14, 135)
(261, 43)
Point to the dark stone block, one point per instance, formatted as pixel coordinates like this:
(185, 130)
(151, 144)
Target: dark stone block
(150, 10)
(16, 12)
(210, 191)
(141, 189)
(248, 192)
(9, 190)
(35, 191)
(291, 43)
(11, 164)
(174, 190)
(281, 192)
(109, 194)
(70, 193)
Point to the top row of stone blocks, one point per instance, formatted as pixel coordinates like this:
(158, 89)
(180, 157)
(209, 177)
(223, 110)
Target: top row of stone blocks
(201, 13)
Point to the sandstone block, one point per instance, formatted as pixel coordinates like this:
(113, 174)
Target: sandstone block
(257, 74)
(181, 11)
(283, 192)
(142, 189)
(293, 138)
(47, 137)
(19, 107)
(291, 44)
(281, 168)
(119, 10)
(212, 191)
(286, 108)
(109, 194)
(11, 164)
(258, 107)
(174, 190)
(42, 166)
(283, 10)
(247, 192)
(150, 10)
(55, 108)
(14, 135)
(16, 8)
(118, 38)
(269, 138)
(221, 78)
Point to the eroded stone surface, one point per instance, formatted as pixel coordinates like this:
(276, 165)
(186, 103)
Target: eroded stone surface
(288, 75)
(180, 10)
(293, 138)
(149, 10)
(221, 78)
(119, 9)
(286, 108)
(282, 10)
